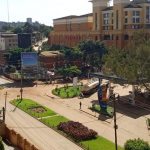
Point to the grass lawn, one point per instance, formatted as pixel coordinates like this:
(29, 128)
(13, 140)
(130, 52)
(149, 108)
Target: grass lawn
(99, 144)
(97, 108)
(54, 120)
(27, 105)
(67, 92)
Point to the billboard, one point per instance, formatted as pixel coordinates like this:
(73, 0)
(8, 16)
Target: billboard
(29, 59)
(29, 65)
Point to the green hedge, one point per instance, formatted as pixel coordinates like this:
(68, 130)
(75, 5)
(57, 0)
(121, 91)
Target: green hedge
(136, 144)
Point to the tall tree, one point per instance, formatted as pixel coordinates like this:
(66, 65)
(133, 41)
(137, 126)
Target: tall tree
(13, 57)
(27, 28)
(132, 62)
(92, 52)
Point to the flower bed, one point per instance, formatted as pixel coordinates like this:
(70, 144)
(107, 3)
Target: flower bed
(77, 130)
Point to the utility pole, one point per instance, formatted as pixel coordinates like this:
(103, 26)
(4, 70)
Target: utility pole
(113, 98)
(21, 89)
(3, 114)
(115, 124)
(5, 102)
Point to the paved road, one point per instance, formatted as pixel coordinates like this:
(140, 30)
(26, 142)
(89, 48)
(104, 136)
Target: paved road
(132, 124)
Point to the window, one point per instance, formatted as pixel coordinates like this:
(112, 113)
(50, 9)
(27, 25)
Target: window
(105, 28)
(95, 21)
(107, 37)
(126, 20)
(126, 37)
(148, 14)
(136, 17)
(126, 13)
(117, 19)
(106, 18)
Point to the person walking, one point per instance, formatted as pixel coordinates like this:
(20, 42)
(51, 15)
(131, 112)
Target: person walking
(80, 104)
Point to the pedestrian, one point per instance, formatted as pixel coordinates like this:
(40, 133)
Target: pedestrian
(80, 104)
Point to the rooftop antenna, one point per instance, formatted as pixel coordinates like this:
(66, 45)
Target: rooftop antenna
(8, 12)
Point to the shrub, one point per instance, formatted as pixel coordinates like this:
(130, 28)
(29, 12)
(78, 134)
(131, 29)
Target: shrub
(136, 144)
(148, 121)
(1, 144)
(77, 130)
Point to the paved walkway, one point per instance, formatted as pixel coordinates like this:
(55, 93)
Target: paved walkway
(131, 123)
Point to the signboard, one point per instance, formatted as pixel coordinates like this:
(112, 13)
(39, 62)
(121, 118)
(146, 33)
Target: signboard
(29, 59)
(29, 65)
(102, 96)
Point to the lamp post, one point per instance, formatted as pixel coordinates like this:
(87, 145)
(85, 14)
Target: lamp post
(21, 89)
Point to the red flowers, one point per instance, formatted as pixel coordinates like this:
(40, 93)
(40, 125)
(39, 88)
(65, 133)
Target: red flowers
(77, 130)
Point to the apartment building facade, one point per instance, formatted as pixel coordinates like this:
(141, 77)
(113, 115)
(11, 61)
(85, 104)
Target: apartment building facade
(114, 25)
(8, 41)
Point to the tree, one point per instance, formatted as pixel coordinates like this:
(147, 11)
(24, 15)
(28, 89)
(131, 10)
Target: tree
(92, 52)
(136, 144)
(17, 30)
(1, 144)
(69, 72)
(72, 53)
(131, 63)
(27, 28)
(13, 57)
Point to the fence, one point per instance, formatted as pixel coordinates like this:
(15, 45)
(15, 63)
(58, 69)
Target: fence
(16, 139)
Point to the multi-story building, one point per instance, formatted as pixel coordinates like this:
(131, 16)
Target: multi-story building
(8, 41)
(71, 29)
(24, 40)
(112, 24)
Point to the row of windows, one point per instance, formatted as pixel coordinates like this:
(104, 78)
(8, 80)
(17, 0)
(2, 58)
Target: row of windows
(111, 37)
(126, 27)
(12, 44)
(135, 16)
(134, 20)
(12, 40)
(134, 13)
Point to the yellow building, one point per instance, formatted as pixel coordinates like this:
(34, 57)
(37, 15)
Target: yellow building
(112, 24)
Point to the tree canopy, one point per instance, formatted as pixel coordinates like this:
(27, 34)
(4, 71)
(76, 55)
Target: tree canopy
(92, 52)
(13, 57)
(69, 71)
(131, 63)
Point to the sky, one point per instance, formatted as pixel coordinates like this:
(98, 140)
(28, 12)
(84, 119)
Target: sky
(43, 11)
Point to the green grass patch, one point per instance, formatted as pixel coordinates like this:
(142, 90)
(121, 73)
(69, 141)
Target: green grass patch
(99, 143)
(148, 121)
(67, 91)
(32, 108)
(54, 120)
(97, 108)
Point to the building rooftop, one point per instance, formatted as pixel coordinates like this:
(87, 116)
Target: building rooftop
(51, 53)
(141, 1)
(132, 5)
(74, 16)
(108, 8)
